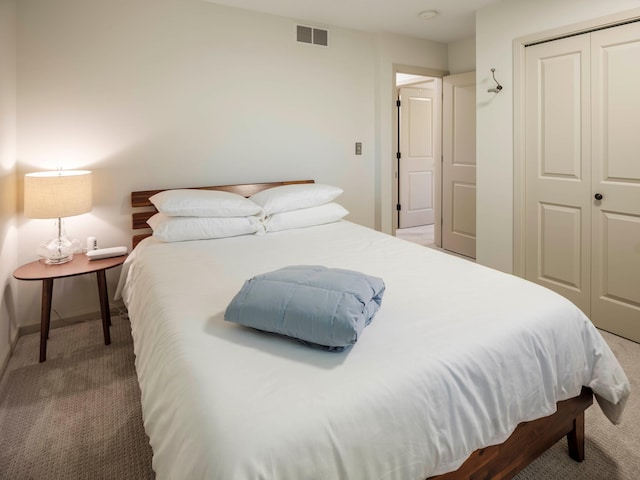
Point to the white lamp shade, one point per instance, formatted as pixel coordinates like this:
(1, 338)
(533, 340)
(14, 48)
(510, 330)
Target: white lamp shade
(57, 194)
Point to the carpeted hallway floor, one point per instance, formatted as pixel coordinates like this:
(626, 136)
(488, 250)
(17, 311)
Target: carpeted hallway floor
(78, 416)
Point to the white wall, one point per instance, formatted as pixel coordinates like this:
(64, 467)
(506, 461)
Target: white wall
(8, 231)
(167, 93)
(462, 56)
(496, 28)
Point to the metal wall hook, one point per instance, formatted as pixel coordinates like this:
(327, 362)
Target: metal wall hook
(498, 87)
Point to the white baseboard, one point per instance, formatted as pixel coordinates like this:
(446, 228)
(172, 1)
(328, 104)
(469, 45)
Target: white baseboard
(7, 354)
(118, 308)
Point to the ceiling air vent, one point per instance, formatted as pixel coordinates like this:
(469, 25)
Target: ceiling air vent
(312, 35)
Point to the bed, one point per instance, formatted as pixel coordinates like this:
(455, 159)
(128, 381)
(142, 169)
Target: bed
(464, 372)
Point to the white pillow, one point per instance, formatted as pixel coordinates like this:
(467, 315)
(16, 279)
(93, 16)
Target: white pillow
(305, 217)
(203, 203)
(179, 229)
(293, 197)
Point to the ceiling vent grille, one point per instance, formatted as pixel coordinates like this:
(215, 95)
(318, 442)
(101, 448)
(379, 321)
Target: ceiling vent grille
(312, 35)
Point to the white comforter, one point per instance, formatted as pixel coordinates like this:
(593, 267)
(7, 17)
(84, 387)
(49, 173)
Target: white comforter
(457, 356)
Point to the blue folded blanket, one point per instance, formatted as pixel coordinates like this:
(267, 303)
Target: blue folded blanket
(320, 305)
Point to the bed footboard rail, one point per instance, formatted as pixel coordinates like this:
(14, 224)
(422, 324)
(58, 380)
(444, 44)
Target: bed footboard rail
(528, 442)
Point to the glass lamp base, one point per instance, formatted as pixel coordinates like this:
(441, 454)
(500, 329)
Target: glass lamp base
(57, 250)
(58, 261)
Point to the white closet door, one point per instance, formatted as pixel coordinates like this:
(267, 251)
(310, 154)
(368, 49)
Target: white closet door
(558, 170)
(615, 59)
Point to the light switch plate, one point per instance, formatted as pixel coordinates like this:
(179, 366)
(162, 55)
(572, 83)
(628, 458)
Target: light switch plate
(358, 148)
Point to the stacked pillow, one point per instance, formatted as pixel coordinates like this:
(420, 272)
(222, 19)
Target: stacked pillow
(202, 214)
(192, 214)
(299, 206)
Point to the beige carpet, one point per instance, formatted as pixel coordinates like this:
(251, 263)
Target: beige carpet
(425, 235)
(422, 235)
(77, 416)
(612, 452)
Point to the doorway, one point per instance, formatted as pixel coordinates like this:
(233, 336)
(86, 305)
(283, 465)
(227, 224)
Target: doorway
(435, 154)
(418, 147)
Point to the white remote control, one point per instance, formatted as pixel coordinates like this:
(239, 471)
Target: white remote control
(106, 253)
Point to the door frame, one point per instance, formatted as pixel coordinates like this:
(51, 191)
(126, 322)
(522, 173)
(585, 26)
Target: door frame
(519, 78)
(437, 171)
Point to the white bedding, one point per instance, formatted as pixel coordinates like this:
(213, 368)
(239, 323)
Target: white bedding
(457, 356)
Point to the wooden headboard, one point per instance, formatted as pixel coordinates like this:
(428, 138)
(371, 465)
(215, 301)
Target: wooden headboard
(140, 200)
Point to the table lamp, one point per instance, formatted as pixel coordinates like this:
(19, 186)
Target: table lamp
(57, 194)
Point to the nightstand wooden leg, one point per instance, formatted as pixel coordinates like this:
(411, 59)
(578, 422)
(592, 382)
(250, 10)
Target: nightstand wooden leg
(45, 316)
(104, 305)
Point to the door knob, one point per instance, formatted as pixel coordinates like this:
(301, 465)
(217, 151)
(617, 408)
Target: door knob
(598, 196)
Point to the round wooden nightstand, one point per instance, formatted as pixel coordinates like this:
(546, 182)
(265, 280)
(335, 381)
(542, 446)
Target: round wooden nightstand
(80, 265)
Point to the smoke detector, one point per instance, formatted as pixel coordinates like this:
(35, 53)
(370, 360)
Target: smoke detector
(427, 14)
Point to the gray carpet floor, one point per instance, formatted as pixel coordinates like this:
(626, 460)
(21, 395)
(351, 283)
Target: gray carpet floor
(78, 415)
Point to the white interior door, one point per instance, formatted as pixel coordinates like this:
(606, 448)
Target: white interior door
(615, 60)
(419, 146)
(459, 164)
(558, 170)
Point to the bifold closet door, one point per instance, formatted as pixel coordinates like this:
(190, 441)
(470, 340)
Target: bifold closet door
(582, 154)
(558, 170)
(615, 108)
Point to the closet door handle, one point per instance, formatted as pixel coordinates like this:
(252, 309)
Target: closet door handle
(598, 196)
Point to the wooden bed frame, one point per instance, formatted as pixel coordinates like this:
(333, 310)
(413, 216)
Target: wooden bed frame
(497, 462)
(528, 442)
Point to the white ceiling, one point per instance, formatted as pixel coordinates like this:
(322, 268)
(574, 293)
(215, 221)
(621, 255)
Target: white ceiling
(456, 19)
